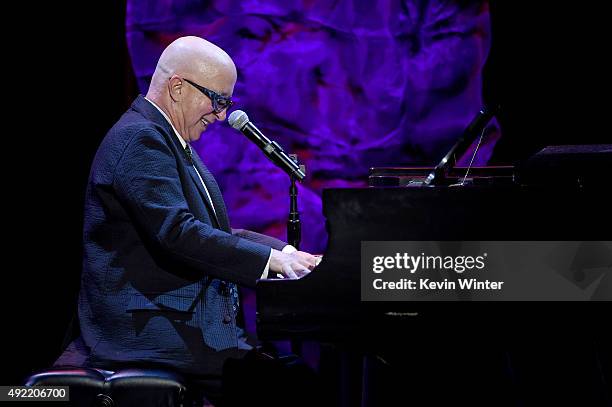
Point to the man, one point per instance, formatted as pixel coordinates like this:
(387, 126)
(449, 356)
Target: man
(161, 262)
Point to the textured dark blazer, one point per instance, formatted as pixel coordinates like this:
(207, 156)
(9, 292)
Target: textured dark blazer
(158, 263)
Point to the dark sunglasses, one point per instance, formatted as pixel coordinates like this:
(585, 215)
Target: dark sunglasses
(219, 102)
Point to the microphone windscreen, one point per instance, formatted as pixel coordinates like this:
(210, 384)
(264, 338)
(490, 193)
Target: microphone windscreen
(238, 119)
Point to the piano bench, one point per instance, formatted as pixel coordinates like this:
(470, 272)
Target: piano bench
(90, 387)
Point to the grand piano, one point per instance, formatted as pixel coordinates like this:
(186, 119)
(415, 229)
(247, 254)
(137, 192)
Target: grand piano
(553, 197)
(372, 349)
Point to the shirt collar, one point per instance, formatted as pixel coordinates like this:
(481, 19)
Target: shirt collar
(176, 133)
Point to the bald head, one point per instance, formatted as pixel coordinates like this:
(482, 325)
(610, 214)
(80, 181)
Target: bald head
(185, 67)
(191, 57)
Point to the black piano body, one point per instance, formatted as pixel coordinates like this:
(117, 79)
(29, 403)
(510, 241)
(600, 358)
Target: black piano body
(326, 305)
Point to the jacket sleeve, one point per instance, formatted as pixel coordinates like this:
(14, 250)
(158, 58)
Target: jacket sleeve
(146, 180)
(259, 238)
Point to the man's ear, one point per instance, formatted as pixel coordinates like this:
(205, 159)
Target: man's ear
(175, 88)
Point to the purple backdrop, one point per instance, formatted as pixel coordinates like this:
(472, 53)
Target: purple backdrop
(346, 84)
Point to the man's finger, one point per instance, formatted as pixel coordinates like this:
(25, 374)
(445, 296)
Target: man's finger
(307, 256)
(303, 272)
(288, 271)
(306, 262)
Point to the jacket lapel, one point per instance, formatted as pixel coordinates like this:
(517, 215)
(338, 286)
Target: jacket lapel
(200, 187)
(214, 191)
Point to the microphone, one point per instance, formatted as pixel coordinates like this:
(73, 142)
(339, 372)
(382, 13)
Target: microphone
(240, 121)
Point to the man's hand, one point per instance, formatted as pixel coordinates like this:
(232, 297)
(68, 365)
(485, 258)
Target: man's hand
(292, 265)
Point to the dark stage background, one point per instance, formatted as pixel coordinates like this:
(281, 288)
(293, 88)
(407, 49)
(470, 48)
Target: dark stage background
(71, 77)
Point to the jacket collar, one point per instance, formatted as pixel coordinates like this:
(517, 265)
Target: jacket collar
(149, 111)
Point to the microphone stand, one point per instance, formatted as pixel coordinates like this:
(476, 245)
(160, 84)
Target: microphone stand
(294, 226)
(294, 232)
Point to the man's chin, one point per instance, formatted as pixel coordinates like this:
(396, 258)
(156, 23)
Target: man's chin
(196, 137)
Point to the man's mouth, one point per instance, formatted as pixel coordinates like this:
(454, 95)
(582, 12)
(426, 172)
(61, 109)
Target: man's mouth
(204, 122)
